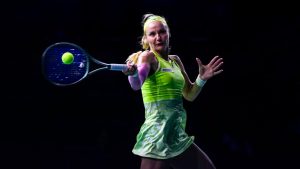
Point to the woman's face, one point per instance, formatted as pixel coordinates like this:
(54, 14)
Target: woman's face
(157, 35)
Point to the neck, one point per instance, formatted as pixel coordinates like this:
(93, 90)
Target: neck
(164, 54)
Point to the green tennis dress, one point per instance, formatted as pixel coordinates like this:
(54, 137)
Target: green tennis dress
(162, 134)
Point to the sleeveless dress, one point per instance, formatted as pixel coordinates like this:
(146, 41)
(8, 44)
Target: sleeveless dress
(162, 134)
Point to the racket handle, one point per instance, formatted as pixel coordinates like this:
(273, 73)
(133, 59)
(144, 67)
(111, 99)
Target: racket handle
(117, 67)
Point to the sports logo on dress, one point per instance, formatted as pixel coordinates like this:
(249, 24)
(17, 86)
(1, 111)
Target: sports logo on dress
(166, 70)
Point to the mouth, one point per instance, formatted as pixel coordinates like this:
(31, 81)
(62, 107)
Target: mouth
(160, 44)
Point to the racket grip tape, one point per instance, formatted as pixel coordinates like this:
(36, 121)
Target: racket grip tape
(117, 67)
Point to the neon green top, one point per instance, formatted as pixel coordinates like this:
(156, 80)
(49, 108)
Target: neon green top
(162, 134)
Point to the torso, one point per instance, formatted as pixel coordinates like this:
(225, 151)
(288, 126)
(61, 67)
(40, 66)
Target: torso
(154, 62)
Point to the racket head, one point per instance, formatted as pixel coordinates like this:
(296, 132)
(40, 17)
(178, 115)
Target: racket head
(59, 73)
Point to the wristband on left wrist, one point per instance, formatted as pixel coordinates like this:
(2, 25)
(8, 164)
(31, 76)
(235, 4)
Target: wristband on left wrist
(199, 82)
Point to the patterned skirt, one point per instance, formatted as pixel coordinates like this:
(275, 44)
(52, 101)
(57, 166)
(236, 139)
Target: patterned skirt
(162, 134)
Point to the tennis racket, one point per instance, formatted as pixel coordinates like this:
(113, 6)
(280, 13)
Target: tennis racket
(70, 69)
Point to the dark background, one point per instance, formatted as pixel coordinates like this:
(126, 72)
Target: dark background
(245, 118)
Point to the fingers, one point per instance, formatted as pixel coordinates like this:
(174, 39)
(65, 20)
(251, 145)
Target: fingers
(217, 65)
(217, 62)
(199, 62)
(131, 68)
(128, 67)
(213, 60)
(214, 64)
(218, 72)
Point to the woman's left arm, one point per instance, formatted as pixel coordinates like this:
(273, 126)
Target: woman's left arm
(192, 89)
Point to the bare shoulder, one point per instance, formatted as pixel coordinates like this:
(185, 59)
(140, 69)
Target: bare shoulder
(175, 58)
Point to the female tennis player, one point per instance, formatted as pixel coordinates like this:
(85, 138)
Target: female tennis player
(162, 141)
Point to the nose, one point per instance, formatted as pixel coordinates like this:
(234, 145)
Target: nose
(158, 36)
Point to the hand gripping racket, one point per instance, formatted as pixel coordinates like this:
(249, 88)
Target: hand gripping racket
(65, 63)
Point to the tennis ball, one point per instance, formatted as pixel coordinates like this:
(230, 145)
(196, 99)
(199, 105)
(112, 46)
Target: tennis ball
(67, 58)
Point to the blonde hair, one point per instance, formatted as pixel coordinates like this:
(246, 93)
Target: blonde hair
(147, 18)
(133, 58)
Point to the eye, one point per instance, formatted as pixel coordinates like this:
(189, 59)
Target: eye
(163, 31)
(151, 34)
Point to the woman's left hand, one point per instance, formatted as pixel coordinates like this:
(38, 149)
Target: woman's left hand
(211, 69)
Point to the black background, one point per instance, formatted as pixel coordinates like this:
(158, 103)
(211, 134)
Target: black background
(247, 117)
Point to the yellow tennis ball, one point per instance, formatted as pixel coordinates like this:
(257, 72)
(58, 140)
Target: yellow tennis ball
(67, 58)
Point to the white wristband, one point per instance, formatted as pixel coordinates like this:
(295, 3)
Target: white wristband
(200, 82)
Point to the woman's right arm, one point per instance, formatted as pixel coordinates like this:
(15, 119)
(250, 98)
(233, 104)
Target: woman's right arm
(143, 68)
